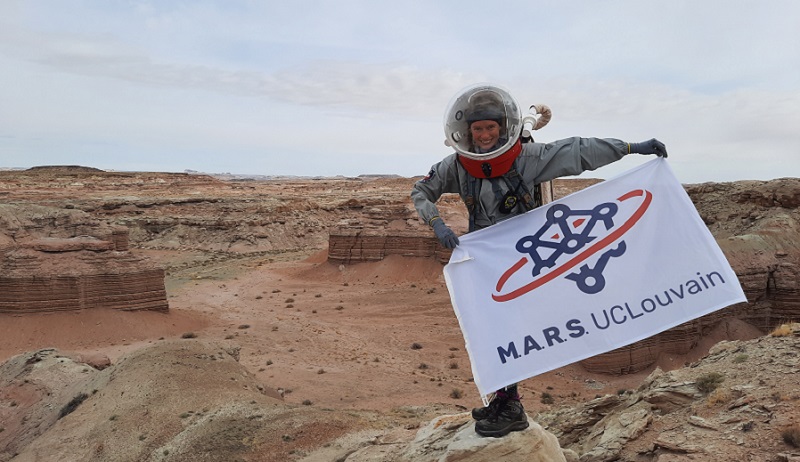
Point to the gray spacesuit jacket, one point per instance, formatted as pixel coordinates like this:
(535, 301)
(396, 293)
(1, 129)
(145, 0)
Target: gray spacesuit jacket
(538, 162)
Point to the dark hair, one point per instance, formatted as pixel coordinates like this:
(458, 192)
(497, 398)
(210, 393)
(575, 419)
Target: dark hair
(485, 112)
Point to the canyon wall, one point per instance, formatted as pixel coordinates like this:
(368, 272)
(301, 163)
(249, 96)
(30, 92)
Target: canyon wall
(756, 223)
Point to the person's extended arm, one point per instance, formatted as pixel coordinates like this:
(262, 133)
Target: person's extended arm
(441, 179)
(573, 156)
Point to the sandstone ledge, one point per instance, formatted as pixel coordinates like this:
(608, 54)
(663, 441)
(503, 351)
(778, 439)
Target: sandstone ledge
(80, 265)
(134, 290)
(34, 281)
(349, 246)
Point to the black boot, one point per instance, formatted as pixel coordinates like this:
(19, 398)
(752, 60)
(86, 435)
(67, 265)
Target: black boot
(509, 417)
(480, 413)
(500, 396)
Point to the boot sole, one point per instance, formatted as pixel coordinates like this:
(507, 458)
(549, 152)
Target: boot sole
(514, 427)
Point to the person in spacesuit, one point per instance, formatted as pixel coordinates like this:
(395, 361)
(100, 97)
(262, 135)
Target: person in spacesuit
(497, 176)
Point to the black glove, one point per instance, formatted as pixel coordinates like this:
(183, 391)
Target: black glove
(445, 235)
(649, 147)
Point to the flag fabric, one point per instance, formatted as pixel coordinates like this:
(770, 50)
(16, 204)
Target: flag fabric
(607, 266)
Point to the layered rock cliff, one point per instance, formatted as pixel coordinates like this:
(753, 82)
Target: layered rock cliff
(352, 246)
(49, 262)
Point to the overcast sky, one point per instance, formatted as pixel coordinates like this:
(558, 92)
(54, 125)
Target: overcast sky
(360, 87)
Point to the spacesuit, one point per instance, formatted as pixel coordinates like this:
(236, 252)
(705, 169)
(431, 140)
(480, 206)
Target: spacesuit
(535, 164)
(497, 175)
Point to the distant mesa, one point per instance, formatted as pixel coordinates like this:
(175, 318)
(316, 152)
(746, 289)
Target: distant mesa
(63, 169)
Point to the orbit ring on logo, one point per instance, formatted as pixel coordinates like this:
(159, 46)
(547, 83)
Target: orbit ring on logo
(589, 280)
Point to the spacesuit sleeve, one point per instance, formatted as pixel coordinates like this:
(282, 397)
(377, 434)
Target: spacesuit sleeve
(572, 156)
(441, 179)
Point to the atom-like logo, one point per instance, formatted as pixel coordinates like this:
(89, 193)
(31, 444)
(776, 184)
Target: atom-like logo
(567, 239)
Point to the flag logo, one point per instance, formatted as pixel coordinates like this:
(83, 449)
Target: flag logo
(571, 237)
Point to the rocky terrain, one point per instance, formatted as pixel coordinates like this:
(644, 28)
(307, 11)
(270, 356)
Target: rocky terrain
(308, 320)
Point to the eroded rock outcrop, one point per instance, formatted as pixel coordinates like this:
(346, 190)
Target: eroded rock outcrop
(347, 246)
(177, 401)
(734, 404)
(738, 403)
(58, 260)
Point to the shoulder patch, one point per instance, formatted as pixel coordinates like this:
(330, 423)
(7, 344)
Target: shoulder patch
(429, 176)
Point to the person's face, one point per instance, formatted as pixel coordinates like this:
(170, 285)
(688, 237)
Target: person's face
(485, 133)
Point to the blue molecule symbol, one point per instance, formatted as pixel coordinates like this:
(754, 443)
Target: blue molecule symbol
(567, 232)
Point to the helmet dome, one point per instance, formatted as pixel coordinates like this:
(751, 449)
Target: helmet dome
(482, 102)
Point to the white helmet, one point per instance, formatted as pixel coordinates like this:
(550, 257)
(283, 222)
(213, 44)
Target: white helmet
(481, 102)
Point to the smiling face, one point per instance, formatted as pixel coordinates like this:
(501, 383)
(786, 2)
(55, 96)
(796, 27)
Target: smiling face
(485, 133)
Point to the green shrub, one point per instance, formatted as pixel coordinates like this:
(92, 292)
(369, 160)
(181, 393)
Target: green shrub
(709, 382)
(72, 405)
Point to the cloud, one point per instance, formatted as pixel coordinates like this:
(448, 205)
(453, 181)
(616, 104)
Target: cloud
(330, 84)
(363, 85)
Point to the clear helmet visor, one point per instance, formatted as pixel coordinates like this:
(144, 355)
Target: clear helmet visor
(482, 102)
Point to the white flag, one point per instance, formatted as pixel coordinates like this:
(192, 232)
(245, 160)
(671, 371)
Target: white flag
(602, 268)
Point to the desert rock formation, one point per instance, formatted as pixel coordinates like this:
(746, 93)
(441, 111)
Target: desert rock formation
(62, 259)
(757, 224)
(347, 247)
(737, 403)
(115, 414)
(718, 408)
